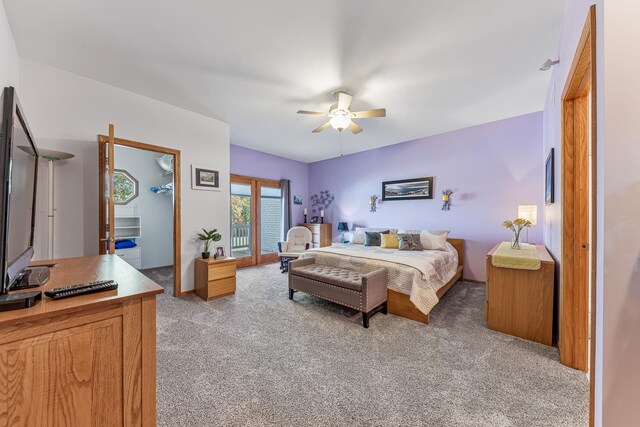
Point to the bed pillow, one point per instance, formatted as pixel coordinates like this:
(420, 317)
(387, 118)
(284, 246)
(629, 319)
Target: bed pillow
(389, 241)
(372, 238)
(358, 235)
(125, 244)
(409, 242)
(434, 240)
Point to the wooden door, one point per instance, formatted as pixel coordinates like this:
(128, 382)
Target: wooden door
(106, 231)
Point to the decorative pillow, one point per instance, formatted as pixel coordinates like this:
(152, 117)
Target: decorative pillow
(434, 240)
(358, 235)
(389, 241)
(372, 238)
(125, 244)
(409, 242)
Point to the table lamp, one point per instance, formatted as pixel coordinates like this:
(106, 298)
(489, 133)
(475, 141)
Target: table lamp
(342, 227)
(529, 212)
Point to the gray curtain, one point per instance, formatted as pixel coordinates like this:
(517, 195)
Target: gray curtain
(285, 186)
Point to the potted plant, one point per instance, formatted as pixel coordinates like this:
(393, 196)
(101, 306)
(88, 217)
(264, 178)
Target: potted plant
(516, 226)
(207, 237)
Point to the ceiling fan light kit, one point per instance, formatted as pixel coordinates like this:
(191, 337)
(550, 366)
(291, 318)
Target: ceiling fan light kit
(341, 118)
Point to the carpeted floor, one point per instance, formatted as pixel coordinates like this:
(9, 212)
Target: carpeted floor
(258, 359)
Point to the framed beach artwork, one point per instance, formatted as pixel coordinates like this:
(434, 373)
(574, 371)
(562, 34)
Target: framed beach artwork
(204, 179)
(408, 189)
(549, 179)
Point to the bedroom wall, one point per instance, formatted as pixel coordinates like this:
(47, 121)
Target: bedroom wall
(67, 112)
(8, 53)
(573, 23)
(257, 164)
(491, 168)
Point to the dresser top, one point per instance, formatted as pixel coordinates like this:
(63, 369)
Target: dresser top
(72, 271)
(543, 253)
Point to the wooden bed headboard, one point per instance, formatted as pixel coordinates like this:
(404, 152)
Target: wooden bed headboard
(458, 244)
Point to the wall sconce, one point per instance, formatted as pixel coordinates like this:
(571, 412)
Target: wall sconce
(446, 199)
(372, 201)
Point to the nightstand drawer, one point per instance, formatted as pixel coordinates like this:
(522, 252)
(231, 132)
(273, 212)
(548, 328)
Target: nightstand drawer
(222, 287)
(222, 271)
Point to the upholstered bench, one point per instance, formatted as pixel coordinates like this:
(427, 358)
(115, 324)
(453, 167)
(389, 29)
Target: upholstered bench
(364, 292)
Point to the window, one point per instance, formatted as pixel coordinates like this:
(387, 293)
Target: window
(125, 187)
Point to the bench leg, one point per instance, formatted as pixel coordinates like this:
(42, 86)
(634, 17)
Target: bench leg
(290, 293)
(365, 319)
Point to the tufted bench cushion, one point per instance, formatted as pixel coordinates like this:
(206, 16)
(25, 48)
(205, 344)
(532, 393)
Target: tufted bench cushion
(364, 292)
(336, 276)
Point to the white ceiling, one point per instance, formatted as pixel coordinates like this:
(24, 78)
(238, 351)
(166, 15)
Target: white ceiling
(435, 65)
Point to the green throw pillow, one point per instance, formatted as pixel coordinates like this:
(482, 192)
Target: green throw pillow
(372, 238)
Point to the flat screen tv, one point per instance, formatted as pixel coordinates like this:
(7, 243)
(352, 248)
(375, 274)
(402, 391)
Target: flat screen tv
(18, 184)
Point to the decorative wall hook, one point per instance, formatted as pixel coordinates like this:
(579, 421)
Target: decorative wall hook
(446, 199)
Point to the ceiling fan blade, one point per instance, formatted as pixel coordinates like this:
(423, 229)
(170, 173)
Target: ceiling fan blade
(354, 128)
(312, 113)
(380, 112)
(344, 101)
(321, 128)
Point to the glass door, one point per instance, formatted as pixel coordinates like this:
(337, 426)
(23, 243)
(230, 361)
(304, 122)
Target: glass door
(270, 220)
(256, 220)
(242, 221)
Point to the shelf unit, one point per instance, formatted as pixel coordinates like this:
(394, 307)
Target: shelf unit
(128, 225)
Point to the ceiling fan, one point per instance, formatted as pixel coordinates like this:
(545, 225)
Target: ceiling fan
(341, 118)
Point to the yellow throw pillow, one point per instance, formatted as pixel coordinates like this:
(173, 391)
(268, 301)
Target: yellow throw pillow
(389, 241)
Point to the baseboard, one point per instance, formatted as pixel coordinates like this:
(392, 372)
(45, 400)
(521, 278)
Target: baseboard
(479, 282)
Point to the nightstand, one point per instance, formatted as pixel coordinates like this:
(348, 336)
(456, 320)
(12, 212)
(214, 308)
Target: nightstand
(520, 302)
(215, 278)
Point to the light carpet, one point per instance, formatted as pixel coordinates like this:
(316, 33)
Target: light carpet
(259, 359)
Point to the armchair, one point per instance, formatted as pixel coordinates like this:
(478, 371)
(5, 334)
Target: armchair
(298, 241)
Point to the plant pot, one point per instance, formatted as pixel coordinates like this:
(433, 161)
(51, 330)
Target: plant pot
(205, 255)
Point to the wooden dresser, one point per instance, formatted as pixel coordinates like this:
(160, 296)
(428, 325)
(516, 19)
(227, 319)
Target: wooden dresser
(86, 360)
(215, 278)
(520, 302)
(321, 234)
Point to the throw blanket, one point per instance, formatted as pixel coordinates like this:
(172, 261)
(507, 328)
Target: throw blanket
(418, 274)
(525, 258)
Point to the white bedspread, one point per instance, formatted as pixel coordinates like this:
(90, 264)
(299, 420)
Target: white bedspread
(418, 274)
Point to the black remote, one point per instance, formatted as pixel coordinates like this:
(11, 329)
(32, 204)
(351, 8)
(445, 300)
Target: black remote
(81, 289)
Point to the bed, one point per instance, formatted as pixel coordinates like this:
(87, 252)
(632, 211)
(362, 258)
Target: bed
(415, 280)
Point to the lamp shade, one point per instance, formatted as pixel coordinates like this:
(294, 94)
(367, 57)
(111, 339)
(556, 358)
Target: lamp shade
(343, 226)
(529, 212)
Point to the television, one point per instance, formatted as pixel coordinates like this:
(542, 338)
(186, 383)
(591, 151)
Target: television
(18, 185)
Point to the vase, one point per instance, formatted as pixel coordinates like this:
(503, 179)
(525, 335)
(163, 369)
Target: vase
(515, 243)
(205, 255)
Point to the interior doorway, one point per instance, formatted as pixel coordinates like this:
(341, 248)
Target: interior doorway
(576, 341)
(256, 220)
(144, 202)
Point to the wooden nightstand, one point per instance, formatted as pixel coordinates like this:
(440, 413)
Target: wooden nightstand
(215, 278)
(520, 302)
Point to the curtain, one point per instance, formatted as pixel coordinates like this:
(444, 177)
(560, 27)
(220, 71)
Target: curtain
(285, 186)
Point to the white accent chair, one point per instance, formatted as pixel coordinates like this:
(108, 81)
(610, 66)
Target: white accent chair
(298, 241)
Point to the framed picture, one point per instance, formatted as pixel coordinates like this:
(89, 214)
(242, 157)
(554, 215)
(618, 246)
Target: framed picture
(297, 200)
(549, 179)
(408, 189)
(314, 219)
(219, 252)
(204, 179)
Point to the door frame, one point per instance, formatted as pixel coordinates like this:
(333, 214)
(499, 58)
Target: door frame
(177, 230)
(574, 323)
(256, 257)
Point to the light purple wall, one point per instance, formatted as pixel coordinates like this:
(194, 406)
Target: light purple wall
(491, 168)
(257, 164)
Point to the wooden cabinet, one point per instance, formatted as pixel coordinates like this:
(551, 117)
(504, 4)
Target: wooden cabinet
(86, 360)
(520, 302)
(215, 278)
(321, 234)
